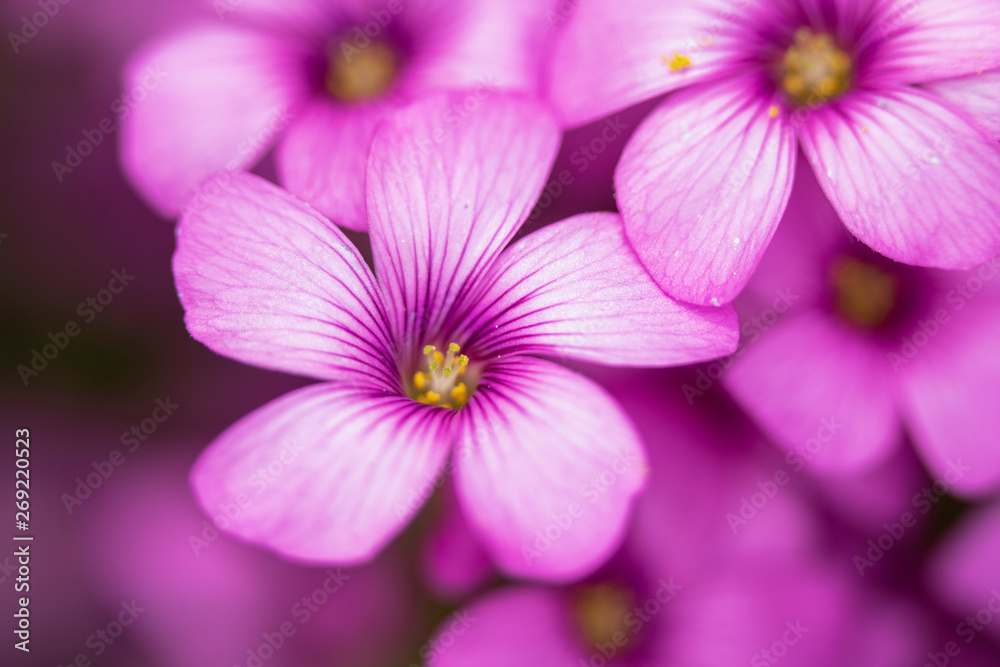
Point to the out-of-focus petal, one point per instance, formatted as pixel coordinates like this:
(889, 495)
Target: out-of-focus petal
(213, 97)
(702, 185)
(821, 390)
(324, 154)
(964, 573)
(909, 176)
(547, 469)
(454, 563)
(950, 387)
(448, 187)
(477, 45)
(327, 472)
(577, 289)
(266, 280)
(510, 628)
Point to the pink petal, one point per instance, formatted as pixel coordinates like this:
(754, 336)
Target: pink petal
(909, 176)
(628, 47)
(809, 235)
(448, 186)
(965, 572)
(512, 627)
(977, 95)
(453, 562)
(323, 157)
(702, 185)
(577, 289)
(927, 40)
(547, 470)
(820, 390)
(266, 280)
(215, 97)
(326, 472)
(950, 389)
(479, 45)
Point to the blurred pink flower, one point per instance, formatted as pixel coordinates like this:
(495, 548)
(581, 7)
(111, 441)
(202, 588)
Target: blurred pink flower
(894, 103)
(684, 589)
(314, 78)
(233, 605)
(964, 574)
(868, 346)
(453, 321)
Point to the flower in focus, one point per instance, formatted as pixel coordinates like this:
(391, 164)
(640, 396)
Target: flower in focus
(314, 78)
(893, 102)
(436, 353)
(684, 589)
(867, 346)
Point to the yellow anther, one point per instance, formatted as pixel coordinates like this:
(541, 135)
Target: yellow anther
(679, 62)
(773, 111)
(437, 381)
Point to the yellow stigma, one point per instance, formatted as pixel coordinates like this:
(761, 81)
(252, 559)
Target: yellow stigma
(678, 62)
(814, 69)
(443, 383)
(866, 295)
(355, 73)
(601, 610)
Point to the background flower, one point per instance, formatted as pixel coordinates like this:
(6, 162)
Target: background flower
(312, 79)
(903, 142)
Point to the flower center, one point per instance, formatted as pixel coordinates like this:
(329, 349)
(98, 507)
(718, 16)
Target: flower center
(361, 73)
(866, 295)
(441, 379)
(601, 612)
(814, 69)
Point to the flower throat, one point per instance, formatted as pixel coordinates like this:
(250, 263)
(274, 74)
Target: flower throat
(356, 74)
(442, 378)
(814, 70)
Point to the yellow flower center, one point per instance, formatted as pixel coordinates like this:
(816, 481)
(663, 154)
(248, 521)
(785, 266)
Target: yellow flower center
(360, 73)
(866, 295)
(600, 611)
(814, 69)
(442, 379)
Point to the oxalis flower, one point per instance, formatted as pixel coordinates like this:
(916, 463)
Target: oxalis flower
(684, 589)
(435, 354)
(893, 102)
(869, 347)
(311, 78)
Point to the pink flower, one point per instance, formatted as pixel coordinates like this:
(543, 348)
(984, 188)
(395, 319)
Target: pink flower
(146, 541)
(867, 347)
(332, 471)
(893, 102)
(964, 574)
(685, 590)
(312, 78)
